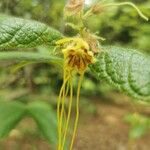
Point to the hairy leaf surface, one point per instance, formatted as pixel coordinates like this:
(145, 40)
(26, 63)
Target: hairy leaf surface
(22, 33)
(126, 69)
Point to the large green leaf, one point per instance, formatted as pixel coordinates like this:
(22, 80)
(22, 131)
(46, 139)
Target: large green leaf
(10, 114)
(22, 33)
(126, 69)
(45, 117)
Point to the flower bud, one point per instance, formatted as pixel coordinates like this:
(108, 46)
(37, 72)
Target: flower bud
(74, 7)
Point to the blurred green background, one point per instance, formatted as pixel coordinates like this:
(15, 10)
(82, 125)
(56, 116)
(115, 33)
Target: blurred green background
(120, 26)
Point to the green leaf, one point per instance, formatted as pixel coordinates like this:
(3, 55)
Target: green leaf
(10, 114)
(126, 69)
(45, 117)
(29, 56)
(22, 33)
(137, 131)
(140, 125)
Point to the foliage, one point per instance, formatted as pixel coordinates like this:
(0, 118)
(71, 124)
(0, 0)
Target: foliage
(10, 115)
(122, 30)
(127, 69)
(12, 112)
(45, 117)
(19, 33)
(126, 77)
(140, 125)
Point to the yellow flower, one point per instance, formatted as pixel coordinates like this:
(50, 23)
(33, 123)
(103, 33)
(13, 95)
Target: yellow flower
(77, 55)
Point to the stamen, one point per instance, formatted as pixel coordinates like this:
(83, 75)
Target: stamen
(83, 63)
(59, 114)
(77, 111)
(77, 58)
(69, 113)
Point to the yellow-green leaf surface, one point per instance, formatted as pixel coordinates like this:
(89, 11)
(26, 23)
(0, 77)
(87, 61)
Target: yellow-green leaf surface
(22, 33)
(126, 69)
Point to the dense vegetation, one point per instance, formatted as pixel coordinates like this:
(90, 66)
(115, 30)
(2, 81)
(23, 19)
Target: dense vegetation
(31, 74)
